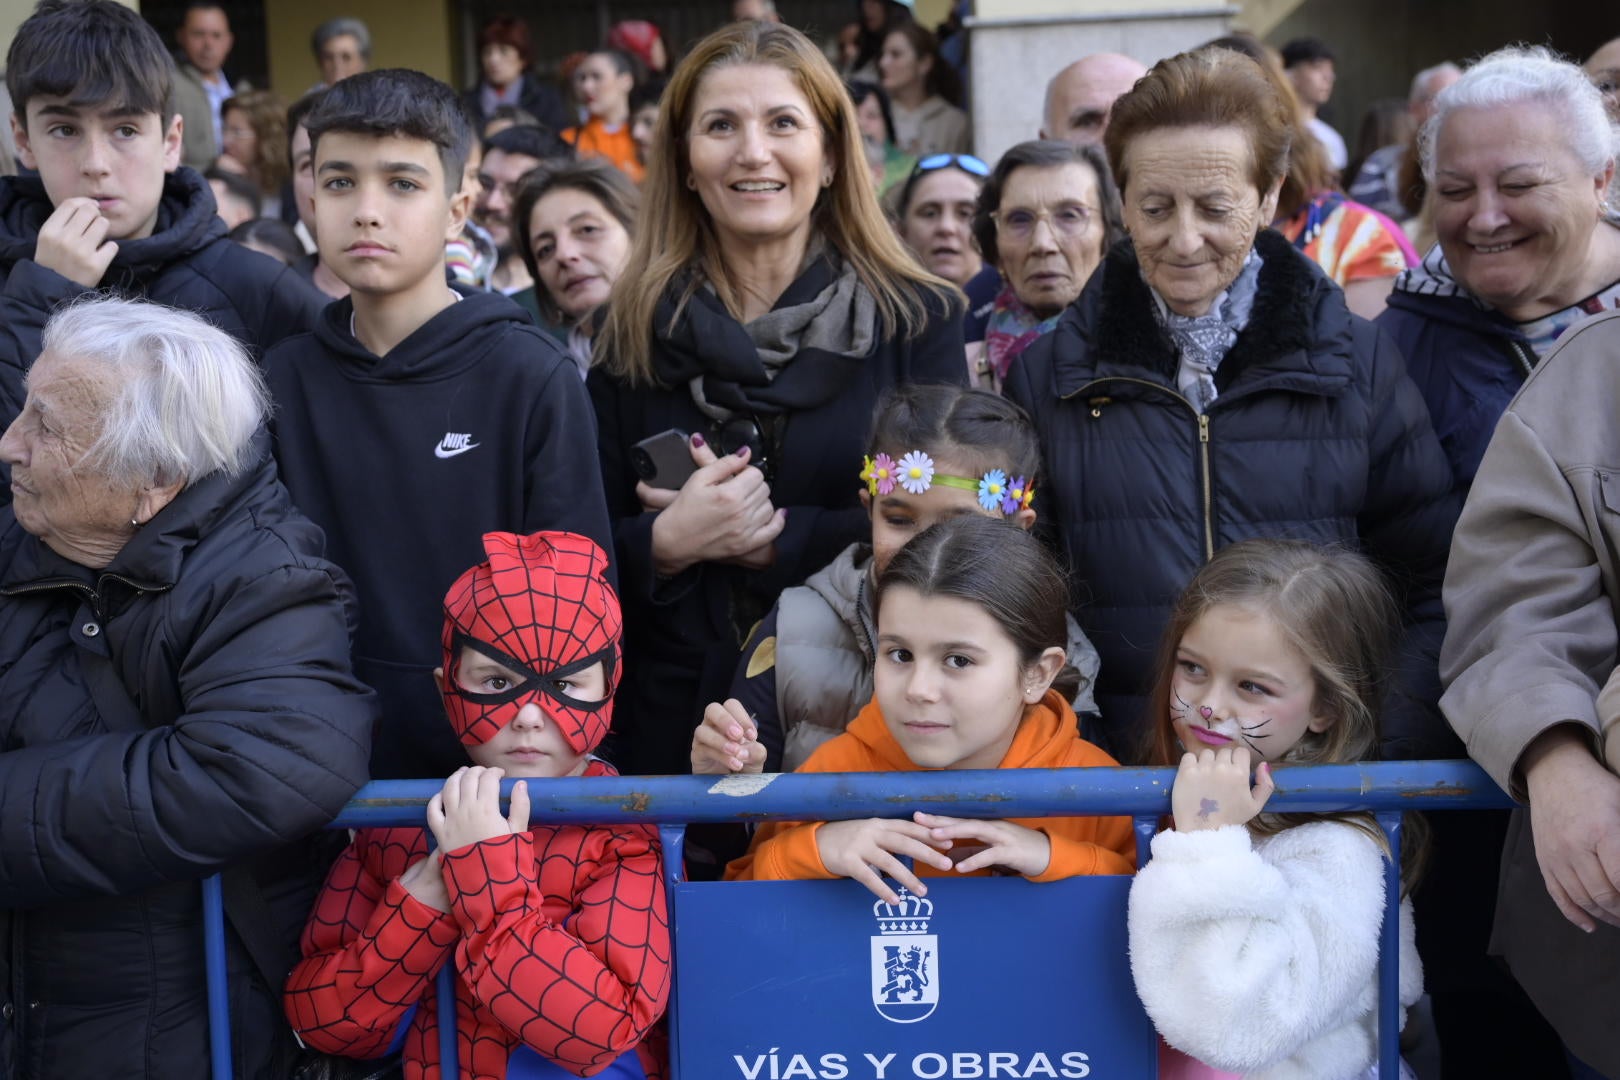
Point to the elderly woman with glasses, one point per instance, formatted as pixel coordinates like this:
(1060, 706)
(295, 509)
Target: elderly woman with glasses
(1210, 385)
(1044, 219)
(765, 306)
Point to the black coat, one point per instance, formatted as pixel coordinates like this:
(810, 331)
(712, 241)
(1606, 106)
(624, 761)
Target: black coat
(1316, 434)
(683, 636)
(230, 635)
(188, 262)
(538, 98)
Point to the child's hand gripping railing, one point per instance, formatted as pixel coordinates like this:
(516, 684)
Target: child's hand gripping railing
(1386, 789)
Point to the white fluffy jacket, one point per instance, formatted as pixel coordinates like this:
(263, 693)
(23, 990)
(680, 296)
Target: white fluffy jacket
(1259, 955)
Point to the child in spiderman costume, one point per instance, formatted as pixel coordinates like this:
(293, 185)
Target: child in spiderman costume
(557, 932)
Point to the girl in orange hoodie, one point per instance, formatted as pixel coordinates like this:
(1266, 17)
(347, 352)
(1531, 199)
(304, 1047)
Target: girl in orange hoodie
(971, 630)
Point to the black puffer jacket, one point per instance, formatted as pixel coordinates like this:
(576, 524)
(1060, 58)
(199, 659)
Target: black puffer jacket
(231, 637)
(187, 262)
(1316, 434)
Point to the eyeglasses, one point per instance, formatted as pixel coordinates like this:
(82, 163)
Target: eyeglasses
(1068, 220)
(965, 162)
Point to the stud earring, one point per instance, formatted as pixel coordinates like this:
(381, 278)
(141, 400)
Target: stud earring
(691, 182)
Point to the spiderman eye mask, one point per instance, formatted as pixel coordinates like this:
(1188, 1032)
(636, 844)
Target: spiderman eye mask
(530, 681)
(541, 608)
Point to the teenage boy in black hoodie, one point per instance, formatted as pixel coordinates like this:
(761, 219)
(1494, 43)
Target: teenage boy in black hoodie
(111, 206)
(415, 418)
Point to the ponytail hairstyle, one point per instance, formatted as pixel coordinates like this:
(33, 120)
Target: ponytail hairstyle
(974, 429)
(1334, 607)
(1004, 571)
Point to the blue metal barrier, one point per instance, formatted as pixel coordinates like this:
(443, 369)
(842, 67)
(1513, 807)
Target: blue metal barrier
(1385, 789)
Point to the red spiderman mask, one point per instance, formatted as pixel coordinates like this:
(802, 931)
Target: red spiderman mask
(540, 606)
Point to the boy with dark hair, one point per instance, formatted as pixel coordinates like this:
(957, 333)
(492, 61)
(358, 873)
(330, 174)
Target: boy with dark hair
(111, 208)
(415, 417)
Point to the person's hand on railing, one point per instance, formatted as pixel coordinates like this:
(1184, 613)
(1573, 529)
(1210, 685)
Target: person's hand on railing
(1212, 789)
(866, 850)
(1575, 820)
(1004, 843)
(468, 809)
(425, 881)
(727, 741)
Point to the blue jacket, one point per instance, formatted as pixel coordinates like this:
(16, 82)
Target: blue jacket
(1467, 360)
(1317, 434)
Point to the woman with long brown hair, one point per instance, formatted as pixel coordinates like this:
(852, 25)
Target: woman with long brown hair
(765, 305)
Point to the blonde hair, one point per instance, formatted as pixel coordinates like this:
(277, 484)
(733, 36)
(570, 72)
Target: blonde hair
(677, 241)
(1334, 607)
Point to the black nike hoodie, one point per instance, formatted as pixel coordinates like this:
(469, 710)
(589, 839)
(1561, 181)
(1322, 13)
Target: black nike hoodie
(188, 262)
(477, 422)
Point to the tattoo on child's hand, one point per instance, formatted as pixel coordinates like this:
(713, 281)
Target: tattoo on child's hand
(1206, 807)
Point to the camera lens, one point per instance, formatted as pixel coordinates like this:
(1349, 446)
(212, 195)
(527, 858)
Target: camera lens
(642, 462)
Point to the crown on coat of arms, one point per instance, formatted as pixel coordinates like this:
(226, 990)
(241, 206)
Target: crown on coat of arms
(909, 916)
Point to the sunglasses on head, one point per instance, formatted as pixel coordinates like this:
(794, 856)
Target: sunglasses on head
(965, 162)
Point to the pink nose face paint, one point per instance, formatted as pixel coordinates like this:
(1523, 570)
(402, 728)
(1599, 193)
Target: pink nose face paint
(1205, 711)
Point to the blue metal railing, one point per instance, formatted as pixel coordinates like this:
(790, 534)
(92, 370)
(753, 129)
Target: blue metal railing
(1386, 789)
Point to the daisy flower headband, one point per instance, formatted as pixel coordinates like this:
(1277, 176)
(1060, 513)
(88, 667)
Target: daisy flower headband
(915, 473)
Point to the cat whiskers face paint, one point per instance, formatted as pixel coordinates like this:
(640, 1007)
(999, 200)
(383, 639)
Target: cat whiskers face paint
(1246, 732)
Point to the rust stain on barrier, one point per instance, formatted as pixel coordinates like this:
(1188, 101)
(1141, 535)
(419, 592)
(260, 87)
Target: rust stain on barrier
(1442, 789)
(638, 802)
(949, 797)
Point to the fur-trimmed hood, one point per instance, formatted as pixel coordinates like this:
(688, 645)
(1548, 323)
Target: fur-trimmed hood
(1298, 336)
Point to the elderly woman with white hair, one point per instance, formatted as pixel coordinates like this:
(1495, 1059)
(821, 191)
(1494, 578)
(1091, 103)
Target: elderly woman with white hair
(1518, 155)
(175, 700)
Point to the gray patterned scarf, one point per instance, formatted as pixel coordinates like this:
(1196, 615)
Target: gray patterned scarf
(1202, 341)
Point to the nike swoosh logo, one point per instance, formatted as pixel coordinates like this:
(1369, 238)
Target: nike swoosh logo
(441, 452)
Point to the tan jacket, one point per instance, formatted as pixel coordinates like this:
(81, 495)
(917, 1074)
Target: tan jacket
(1532, 598)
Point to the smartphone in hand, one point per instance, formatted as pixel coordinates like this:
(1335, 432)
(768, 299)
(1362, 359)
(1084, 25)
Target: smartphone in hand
(663, 460)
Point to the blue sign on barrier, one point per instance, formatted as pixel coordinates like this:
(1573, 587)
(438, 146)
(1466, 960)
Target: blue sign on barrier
(985, 977)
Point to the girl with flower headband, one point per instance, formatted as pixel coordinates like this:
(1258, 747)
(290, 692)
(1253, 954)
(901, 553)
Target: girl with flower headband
(970, 636)
(558, 932)
(1254, 937)
(935, 452)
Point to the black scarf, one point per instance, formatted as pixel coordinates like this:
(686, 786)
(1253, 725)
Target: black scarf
(708, 345)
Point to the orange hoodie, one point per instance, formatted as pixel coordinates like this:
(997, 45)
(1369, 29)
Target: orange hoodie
(595, 139)
(1048, 738)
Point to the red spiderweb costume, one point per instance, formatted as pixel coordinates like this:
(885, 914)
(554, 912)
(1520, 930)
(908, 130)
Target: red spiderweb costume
(559, 935)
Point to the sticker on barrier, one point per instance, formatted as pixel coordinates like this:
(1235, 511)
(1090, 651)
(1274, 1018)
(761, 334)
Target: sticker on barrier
(984, 978)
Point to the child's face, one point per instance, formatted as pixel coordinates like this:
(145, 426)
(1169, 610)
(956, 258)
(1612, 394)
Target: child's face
(950, 682)
(1238, 680)
(900, 515)
(383, 211)
(530, 745)
(112, 155)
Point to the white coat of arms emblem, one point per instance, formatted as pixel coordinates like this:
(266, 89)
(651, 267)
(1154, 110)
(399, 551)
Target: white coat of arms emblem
(905, 960)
